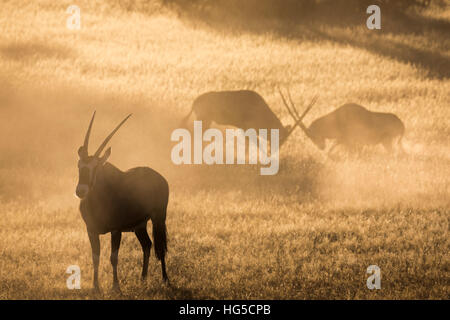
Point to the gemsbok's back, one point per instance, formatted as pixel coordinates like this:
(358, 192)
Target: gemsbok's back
(353, 126)
(244, 109)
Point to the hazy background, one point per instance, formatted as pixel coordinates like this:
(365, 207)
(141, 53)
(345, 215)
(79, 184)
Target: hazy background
(312, 230)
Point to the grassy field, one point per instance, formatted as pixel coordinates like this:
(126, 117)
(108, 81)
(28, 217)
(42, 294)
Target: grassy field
(309, 232)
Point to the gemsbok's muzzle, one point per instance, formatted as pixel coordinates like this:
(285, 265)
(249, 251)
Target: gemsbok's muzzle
(82, 190)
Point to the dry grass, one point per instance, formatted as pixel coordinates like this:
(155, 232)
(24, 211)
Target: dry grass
(309, 232)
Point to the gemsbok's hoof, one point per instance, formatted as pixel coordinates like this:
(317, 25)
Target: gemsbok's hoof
(97, 290)
(116, 289)
(166, 282)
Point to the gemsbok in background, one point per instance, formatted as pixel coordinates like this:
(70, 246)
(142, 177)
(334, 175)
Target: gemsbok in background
(354, 127)
(244, 109)
(115, 201)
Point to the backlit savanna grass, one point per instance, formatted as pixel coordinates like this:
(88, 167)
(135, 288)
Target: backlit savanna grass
(309, 232)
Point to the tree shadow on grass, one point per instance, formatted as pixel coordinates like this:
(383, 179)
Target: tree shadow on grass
(342, 22)
(436, 65)
(21, 51)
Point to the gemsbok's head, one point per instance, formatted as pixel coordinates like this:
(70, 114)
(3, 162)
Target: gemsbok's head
(88, 165)
(318, 141)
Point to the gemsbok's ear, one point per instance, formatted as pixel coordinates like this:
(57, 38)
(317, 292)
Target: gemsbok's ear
(105, 155)
(82, 152)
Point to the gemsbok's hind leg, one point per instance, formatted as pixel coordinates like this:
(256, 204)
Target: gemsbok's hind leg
(115, 245)
(163, 268)
(146, 244)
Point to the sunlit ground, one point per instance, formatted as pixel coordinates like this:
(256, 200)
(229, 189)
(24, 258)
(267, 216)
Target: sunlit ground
(309, 232)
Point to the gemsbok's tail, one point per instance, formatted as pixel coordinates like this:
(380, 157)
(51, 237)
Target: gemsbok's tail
(160, 236)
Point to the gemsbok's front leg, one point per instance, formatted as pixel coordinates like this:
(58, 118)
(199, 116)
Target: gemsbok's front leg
(115, 245)
(95, 246)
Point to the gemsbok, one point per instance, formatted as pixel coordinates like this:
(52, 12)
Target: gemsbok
(244, 109)
(115, 201)
(354, 127)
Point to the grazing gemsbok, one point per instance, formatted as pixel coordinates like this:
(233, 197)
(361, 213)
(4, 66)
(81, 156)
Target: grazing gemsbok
(354, 127)
(116, 201)
(244, 109)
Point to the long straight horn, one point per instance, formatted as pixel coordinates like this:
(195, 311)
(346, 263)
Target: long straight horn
(301, 125)
(300, 118)
(311, 104)
(289, 133)
(292, 104)
(103, 145)
(286, 105)
(88, 133)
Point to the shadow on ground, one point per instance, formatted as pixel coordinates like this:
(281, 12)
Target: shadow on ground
(19, 51)
(342, 22)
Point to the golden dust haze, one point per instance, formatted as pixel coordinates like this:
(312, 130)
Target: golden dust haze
(309, 232)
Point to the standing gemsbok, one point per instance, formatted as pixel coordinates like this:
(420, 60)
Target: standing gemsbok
(244, 109)
(116, 201)
(354, 127)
